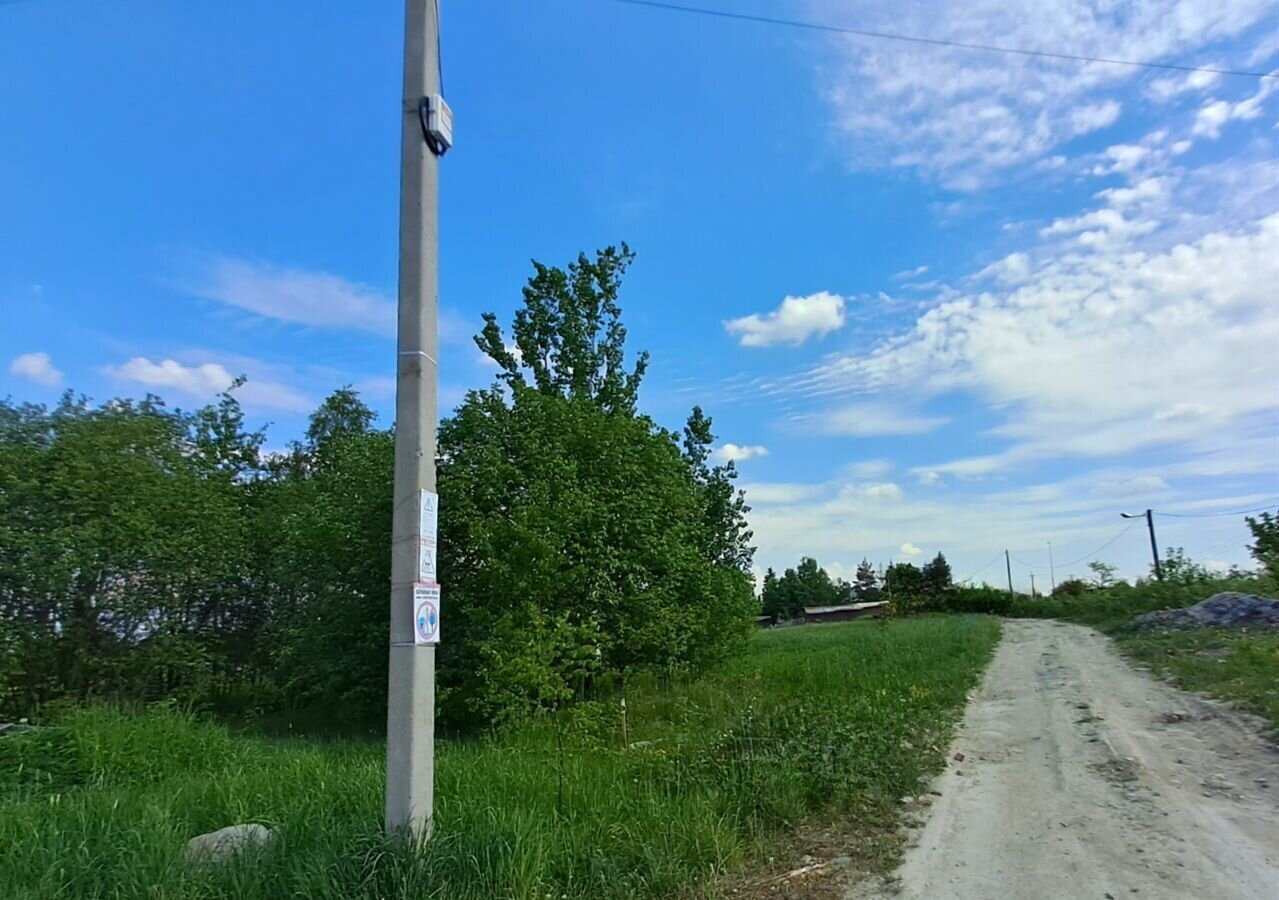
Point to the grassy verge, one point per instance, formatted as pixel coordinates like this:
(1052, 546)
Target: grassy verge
(827, 722)
(1235, 665)
(1240, 667)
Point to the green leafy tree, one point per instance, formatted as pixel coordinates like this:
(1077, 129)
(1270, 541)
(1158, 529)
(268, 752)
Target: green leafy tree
(1265, 545)
(1178, 568)
(578, 537)
(1103, 574)
(906, 589)
(125, 546)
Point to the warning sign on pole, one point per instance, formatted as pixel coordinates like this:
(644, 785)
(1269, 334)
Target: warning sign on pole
(426, 613)
(426, 563)
(429, 516)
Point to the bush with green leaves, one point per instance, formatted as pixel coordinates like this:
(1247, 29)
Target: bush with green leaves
(152, 553)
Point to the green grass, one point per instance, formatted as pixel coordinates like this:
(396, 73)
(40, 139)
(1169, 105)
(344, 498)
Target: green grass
(1241, 666)
(824, 723)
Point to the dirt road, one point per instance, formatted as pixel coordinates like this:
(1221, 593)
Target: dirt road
(1082, 777)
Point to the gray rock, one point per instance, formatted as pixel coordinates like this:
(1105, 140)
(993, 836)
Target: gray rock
(16, 728)
(1226, 610)
(224, 843)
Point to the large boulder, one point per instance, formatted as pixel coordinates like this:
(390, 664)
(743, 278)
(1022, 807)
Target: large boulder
(1226, 610)
(227, 842)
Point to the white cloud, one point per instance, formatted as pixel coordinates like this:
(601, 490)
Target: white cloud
(206, 380)
(738, 452)
(1012, 269)
(911, 273)
(1162, 90)
(908, 549)
(299, 296)
(928, 477)
(1094, 116)
(1127, 487)
(1216, 113)
(1121, 158)
(869, 419)
(871, 468)
(885, 491)
(1101, 227)
(37, 367)
(1051, 352)
(964, 116)
(793, 322)
(1147, 189)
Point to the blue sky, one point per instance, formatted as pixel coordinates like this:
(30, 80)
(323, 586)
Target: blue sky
(934, 299)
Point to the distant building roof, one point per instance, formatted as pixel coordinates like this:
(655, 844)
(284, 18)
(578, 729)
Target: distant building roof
(847, 607)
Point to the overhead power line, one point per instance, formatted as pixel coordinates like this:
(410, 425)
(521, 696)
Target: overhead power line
(1237, 512)
(1086, 556)
(993, 560)
(888, 36)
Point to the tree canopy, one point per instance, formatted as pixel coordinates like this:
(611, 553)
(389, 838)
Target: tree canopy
(150, 552)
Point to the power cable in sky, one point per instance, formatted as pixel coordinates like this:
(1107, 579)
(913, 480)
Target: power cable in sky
(1238, 512)
(1063, 565)
(982, 569)
(887, 36)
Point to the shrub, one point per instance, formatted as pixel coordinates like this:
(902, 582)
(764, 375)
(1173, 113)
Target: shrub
(984, 599)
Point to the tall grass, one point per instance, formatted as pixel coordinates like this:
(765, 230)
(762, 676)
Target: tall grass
(836, 721)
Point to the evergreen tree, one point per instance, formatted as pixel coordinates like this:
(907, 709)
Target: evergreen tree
(866, 588)
(937, 581)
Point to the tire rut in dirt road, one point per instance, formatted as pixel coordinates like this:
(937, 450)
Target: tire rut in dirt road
(1082, 777)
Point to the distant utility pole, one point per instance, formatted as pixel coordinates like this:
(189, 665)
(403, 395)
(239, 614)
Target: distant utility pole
(1052, 569)
(1008, 563)
(425, 133)
(1032, 585)
(1154, 546)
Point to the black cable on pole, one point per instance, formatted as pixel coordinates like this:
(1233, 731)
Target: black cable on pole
(889, 36)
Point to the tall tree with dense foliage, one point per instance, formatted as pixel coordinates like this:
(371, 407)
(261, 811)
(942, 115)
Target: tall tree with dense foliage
(578, 537)
(125, 545)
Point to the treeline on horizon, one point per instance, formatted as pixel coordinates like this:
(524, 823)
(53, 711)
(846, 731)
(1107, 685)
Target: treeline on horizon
(150, 553)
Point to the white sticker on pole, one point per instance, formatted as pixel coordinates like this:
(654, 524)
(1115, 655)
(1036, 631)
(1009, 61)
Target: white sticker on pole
(426, 562)
(428, 516)
(426, 613)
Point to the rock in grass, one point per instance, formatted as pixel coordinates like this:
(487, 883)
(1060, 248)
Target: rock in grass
(1225, 610)
(224, 843)
(16, 727)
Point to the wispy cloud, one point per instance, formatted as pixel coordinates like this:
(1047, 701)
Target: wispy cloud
(297, 296)
(965, 117)
(869, 419)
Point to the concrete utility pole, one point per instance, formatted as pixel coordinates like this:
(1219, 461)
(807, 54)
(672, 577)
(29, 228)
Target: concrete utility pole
(1008, 563)
(1154, 547)
(410, 714)
(1052, 569)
